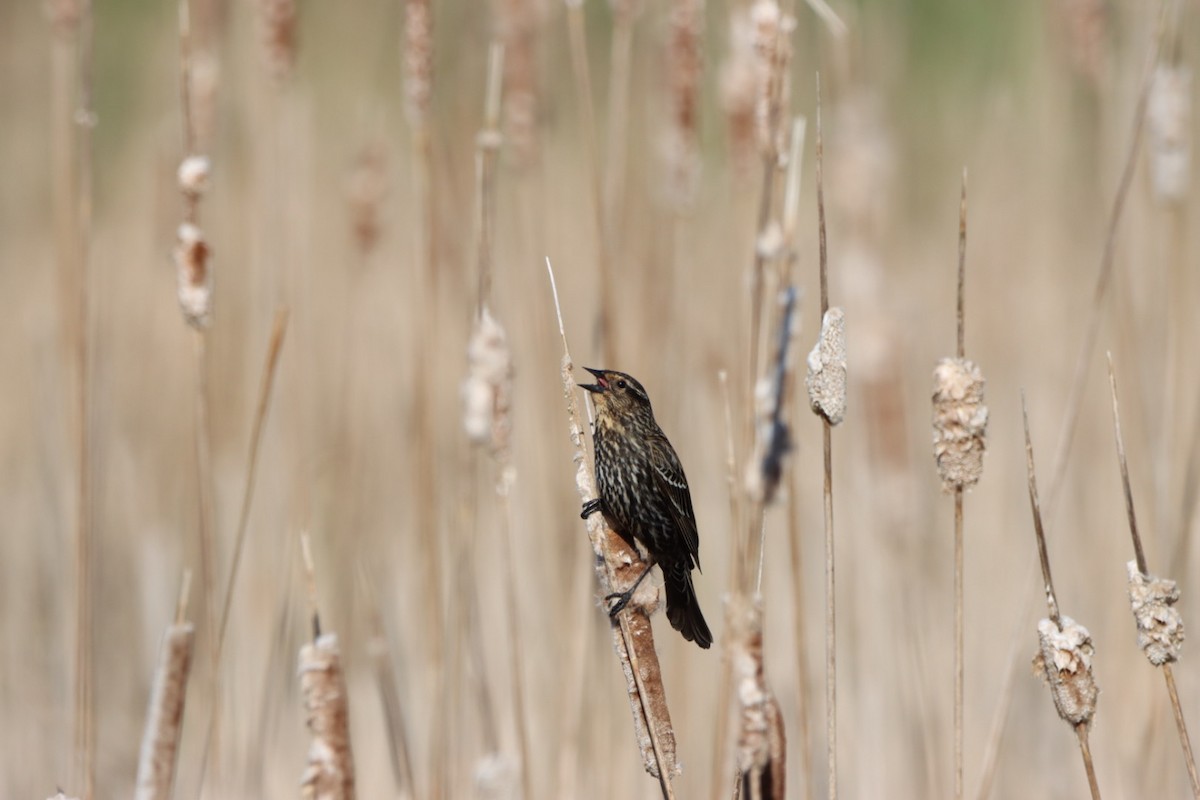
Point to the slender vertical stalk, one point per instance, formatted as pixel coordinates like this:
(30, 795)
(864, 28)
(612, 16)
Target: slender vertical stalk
(85, 735)
(1144, 568)
(958, 511)
(827, 450)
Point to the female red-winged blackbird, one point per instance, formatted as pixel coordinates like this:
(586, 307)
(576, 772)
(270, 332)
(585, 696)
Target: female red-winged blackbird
(644, 496)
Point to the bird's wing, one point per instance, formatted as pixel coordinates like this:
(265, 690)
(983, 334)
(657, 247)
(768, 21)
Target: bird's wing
(668, 475)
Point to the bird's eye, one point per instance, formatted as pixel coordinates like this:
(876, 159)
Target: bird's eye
(621, 384)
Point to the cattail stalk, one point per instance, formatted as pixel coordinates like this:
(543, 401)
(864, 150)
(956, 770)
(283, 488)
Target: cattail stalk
(195, 301)
(827, 386)
(164, 719)
(1160, 628)
(1065, 656)
(1079, 376)
(84, 661)
(959, 427)
(329, 774)
(619, 565)
(488, 390)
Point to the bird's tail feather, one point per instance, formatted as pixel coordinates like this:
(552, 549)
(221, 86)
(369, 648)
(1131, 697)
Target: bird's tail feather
(683, 609)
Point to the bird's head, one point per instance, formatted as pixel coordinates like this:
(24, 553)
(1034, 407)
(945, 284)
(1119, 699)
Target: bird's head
(617, 394)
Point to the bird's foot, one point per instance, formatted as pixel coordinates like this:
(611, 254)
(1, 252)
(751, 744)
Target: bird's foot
(589, 508)
(622, 599)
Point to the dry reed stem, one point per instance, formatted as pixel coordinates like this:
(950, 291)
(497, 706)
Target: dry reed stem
(959, 427)
(761, 745)
(583, 85)
(771, 31)
(1105, 270)
(380, 654)
(84, 659)
(274, 348)
(827, 449)
(490, 380)
(1079, 377)
(164, 717)
(194, 293)
(619, 565)
(1065, 654)
(1159, 624)
(760, 751)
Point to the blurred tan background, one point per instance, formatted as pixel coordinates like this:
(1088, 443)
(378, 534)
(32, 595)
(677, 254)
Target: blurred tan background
(364, 447)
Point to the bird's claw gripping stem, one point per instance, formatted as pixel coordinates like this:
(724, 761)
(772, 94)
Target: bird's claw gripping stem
(589, 508)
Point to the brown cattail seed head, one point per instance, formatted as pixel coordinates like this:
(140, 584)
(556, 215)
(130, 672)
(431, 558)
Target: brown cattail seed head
(330, 771)
(193, 275)
(685, 63)
(1064, 661)
(487, 389)
(277, 20)
(418, 60)
(366, 188)
(959, 422)
(761, 745)
(193, 175)
(164, 719)
(1169, 118)
(64, 17)
(826, 379)
(519, 24)
(739, 87)
(1159, 624)
(1084, 26)
(772, 32)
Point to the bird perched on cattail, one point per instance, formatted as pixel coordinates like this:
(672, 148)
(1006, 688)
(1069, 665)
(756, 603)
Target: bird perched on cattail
(644, 496)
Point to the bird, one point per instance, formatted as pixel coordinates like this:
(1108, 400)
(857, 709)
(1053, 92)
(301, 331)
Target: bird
(644, 496)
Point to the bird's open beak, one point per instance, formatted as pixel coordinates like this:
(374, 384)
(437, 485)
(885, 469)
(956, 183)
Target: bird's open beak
(599, 386)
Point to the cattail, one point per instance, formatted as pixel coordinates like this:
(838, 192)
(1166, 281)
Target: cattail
(959, 422)
(366, 188)
(164, 720)
(761, 744)
(278, 26)
(330, 772)
(739, 87)
(1169, 119)
(1159, 624)
(193, 176)
(685, 70)
(826, 379)
(1084, 25)
(418, 60)
(1064, 661)
(194, 278)
(487, 389)
(519, 24)
(64, 18)
(771, 31)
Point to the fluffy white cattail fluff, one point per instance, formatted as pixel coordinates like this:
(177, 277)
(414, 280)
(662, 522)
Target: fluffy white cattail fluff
(827, 369)
(1159, 624)
(959, 422)
(1064, 661)
(1169, 119)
